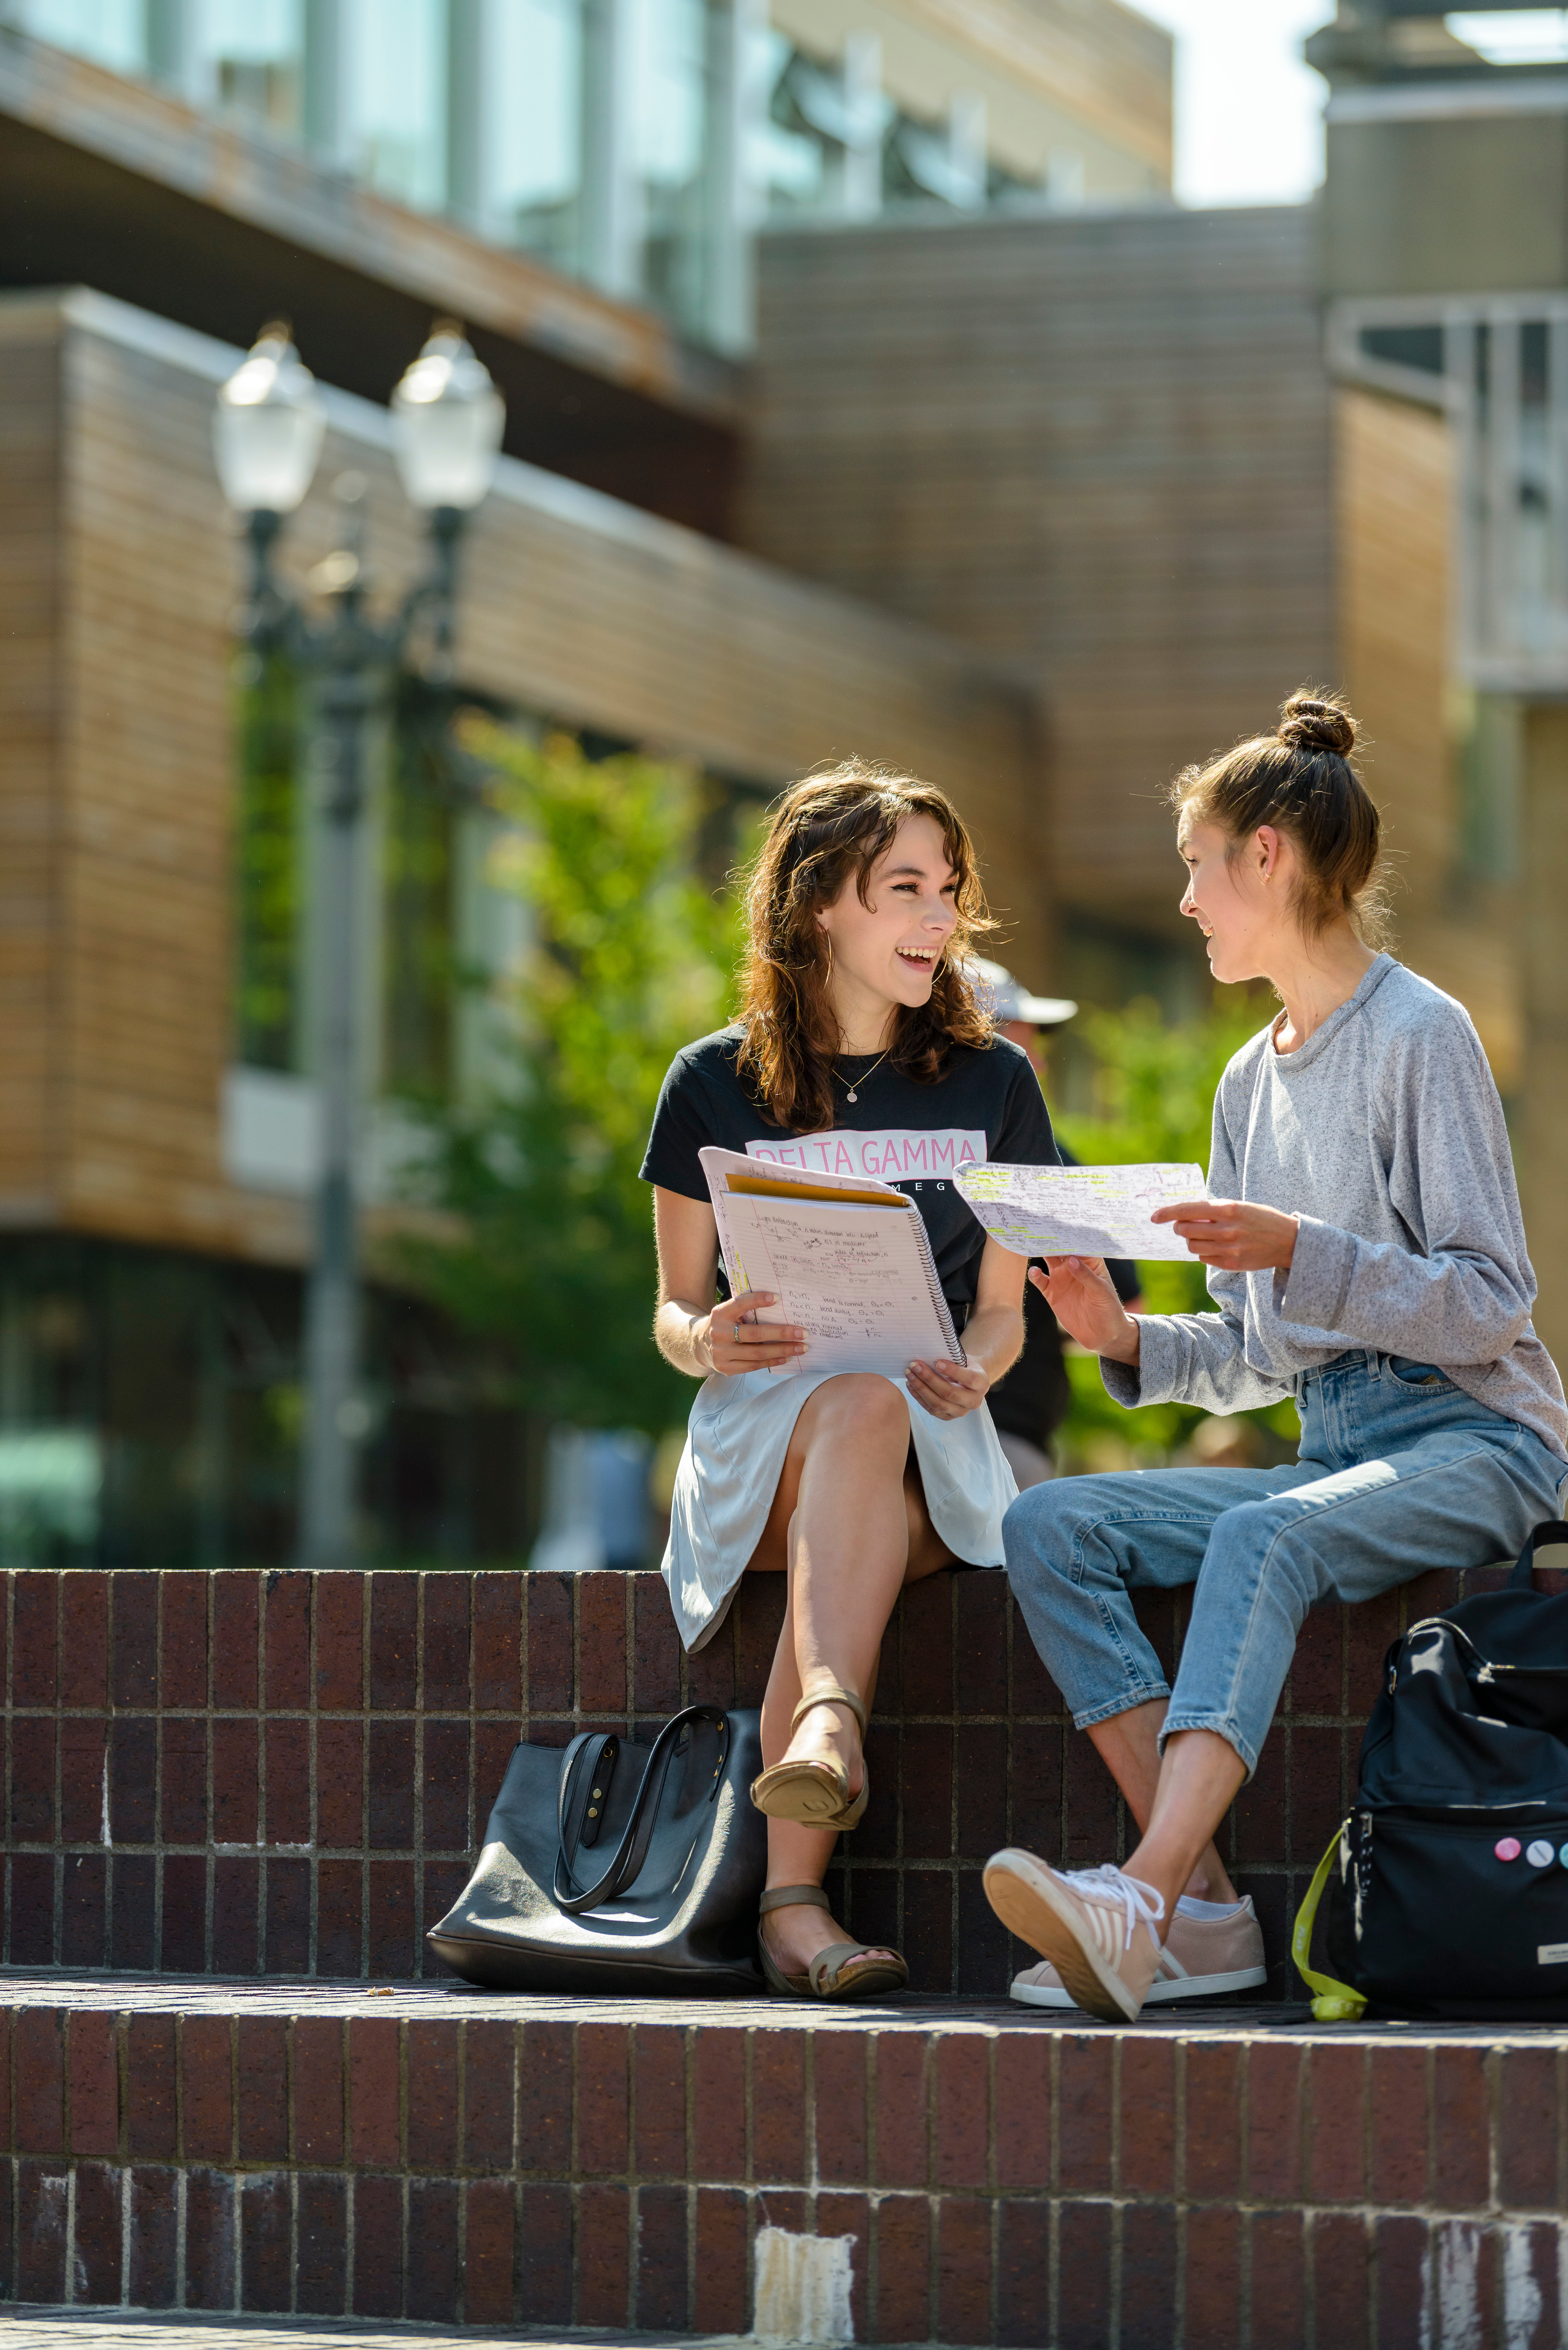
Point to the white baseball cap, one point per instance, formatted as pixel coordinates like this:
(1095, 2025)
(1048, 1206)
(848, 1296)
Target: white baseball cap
(1005, 999)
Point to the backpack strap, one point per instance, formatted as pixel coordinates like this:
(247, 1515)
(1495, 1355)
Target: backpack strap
(1550, 1529)
(1332, 2002)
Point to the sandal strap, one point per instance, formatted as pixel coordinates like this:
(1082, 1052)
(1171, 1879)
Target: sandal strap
(831, 1697)
(834, 1960)
(792, 1897)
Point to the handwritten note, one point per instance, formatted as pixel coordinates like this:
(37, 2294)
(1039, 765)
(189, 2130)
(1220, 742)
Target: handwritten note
(853, 1277)
(1082, 1210)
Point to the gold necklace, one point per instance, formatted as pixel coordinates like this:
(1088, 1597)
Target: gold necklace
(855, 1088)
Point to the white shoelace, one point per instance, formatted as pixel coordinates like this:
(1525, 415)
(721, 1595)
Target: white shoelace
(1130, 1891)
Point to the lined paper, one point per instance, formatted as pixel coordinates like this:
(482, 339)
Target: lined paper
(856, 1274)
(1083, 1210)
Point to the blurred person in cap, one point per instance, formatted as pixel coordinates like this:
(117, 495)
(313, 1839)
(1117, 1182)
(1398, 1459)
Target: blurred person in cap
(1029, 1405)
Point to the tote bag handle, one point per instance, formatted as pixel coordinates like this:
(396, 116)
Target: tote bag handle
(633, 1848)
(1550, 1530)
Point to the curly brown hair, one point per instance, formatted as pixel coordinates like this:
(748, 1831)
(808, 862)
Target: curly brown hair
(824, 830)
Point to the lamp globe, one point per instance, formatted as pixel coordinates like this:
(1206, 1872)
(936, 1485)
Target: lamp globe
(268, 427)
(447, 423)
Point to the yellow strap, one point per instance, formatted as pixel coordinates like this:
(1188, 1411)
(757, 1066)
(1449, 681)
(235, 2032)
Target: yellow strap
(1334, 2002)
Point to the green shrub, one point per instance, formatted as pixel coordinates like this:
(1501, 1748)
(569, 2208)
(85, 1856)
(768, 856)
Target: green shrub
(631, 958)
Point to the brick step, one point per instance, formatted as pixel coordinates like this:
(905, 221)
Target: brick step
(287, 1773)
(48, 2326)
(448, 2158)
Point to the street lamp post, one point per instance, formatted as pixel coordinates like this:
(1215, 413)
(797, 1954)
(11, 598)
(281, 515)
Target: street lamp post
(447, 422)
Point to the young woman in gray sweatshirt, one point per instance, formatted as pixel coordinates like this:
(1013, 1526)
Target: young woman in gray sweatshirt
(1365, 1255)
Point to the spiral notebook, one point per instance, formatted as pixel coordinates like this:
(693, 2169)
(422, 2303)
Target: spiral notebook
(848, 1260)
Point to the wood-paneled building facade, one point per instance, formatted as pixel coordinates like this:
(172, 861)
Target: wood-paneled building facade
(1139, 457)
(125, 1116)
(1041, 506)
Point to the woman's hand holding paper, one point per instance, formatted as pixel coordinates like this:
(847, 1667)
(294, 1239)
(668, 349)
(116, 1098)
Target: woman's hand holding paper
(735, 1341)
(1234, 1234)
(947, 1390)
(1080, 1293)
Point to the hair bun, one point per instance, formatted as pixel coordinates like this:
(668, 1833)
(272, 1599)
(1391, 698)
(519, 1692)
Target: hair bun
(1311, 723)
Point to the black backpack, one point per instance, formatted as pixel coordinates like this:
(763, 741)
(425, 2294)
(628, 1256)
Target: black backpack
(1448, 1882)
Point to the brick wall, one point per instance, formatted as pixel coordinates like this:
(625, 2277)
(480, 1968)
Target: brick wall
(495, 2162)
(239, 1773)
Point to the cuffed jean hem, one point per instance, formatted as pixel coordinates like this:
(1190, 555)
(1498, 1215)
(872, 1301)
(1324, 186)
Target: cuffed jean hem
(1127, 1704)
(1222, 1727)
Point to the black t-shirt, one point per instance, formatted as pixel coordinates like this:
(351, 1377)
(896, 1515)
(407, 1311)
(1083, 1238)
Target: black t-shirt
(986, 1105)
(1034, 1397)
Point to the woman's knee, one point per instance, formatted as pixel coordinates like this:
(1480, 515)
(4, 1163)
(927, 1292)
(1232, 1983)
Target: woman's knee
(856, 1406)
(1273, 1542)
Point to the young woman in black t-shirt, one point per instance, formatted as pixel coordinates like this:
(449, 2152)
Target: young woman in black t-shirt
(861, 1047)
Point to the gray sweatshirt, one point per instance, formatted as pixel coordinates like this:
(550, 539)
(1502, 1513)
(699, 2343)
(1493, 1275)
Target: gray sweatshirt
(1385, 1135)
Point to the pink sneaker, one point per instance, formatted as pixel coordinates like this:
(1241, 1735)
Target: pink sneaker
(1202, 1957)
(1098, 1926)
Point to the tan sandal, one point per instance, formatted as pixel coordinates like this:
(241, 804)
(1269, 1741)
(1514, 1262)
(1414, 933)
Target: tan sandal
(813, 1793)
(832, 1974)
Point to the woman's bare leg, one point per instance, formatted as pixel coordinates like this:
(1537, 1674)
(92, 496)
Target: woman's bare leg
(1169, 1800)
(1197, 1783)
(849, 1527)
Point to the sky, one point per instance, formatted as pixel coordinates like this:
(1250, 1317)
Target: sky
(1249, 113)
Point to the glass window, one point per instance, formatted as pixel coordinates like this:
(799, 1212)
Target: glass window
(51, 1459)
(670, 65)
(1419, 347)
(252, 52)
(397, 99)
(270, 843)
(151, 1410)
(110, 32)
(439, 924)
(828, 122)
(794, 158)
(537, 93)
(418, 876)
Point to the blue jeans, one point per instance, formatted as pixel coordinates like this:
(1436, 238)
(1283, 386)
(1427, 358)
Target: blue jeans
(1399, 1471)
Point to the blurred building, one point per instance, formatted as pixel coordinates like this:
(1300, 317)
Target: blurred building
(866, 391)
(1173, 463)
(1444, 271)
(584, 182)
(633, 145)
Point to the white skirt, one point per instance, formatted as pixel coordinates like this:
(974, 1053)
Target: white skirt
(736, 1441)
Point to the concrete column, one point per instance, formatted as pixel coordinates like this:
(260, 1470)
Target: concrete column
(328, 113)
(967, 149)
(469, 112)
(174, 53)
(737, 95)
(1542, 1137)
(612, 185)
(862, 185)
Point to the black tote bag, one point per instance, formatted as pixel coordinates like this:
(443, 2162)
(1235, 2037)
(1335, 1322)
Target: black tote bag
(623, 1870)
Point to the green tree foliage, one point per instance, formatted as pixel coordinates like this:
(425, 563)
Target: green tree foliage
(631, 957)
(1154, 1088)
